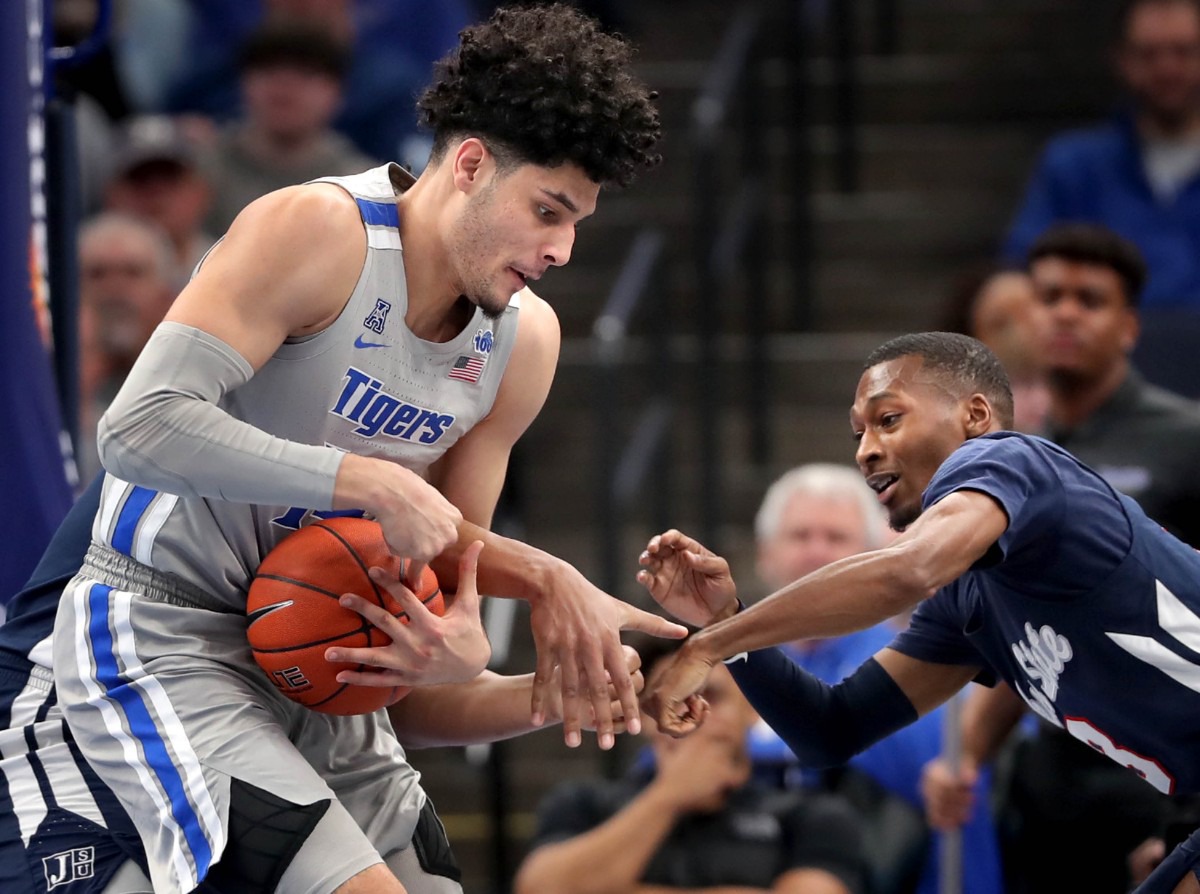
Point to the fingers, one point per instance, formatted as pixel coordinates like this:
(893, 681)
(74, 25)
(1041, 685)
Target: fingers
(413, 572)
(377, 678)
(622, 685)
(706, 563)
(571, 709)
(633, 661)
(543, 679)
(634, 618)
(468, 568)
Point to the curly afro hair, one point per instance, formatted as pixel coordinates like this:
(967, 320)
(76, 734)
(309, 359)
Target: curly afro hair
(544, 85)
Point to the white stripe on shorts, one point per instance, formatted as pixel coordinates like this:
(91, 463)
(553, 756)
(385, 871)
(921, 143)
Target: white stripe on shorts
(168, 722)
(152, 521)
(185, 875)
(28, 803)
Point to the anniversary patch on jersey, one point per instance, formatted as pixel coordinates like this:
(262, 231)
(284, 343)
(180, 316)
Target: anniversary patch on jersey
(374, 411)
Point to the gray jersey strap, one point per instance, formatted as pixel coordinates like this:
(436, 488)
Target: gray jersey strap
(166, 431)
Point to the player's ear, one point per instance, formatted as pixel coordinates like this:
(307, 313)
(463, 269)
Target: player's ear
(978, 415)
(470, 161)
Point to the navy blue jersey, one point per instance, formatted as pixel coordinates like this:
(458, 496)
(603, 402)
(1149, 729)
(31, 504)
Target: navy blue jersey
(1086, 607)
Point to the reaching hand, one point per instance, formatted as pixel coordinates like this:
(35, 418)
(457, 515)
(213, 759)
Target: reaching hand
(429, 649)
(633, 663)
(576, 630)
(674, 699)
(689, 581)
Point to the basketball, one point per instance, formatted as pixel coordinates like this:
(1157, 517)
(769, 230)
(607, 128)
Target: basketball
(294, 613)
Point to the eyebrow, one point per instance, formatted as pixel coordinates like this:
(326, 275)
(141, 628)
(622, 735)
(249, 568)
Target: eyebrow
(563, 199)
(874, 399)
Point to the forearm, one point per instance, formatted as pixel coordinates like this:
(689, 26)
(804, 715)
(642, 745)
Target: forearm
(166, 431)
(507, 568)
(487, 709)
(845, 596)
(608, 859)
(823, 725)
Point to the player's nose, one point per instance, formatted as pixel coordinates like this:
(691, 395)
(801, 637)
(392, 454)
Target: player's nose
(558, 250)
(868, 451)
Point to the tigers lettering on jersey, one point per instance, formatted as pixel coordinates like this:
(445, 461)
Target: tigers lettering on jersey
(364, 402)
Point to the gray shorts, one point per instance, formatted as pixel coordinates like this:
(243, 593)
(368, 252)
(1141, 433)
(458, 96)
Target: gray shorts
(167, 704)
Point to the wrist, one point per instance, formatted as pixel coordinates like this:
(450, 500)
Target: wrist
(545, 576)
(734, 606)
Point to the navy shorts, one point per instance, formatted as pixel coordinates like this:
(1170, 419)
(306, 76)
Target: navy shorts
(61, 829)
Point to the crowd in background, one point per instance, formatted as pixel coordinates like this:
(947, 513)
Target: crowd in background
(195, 109)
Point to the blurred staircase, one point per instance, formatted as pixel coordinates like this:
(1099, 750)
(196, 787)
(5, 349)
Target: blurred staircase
(949, 122)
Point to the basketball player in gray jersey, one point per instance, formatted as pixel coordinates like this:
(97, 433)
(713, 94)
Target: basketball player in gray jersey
(350, 346)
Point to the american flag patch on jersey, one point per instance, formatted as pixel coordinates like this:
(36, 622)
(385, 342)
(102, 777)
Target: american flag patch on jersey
(468, 369)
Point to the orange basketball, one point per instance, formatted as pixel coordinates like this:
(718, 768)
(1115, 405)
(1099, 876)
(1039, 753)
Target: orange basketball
(294, 613)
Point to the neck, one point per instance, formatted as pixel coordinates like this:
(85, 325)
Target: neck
(1169, 127)
(435, 305)
(1074, 399)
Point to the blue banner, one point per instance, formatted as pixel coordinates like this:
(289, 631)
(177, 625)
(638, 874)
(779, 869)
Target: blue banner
(33, 477)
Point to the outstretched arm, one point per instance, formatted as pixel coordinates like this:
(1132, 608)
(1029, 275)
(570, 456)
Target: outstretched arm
(842, 597)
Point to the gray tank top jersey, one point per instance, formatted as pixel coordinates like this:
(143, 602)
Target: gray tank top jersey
(365, 384)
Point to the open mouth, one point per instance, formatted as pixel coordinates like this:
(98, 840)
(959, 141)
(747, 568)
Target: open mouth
(883, 484)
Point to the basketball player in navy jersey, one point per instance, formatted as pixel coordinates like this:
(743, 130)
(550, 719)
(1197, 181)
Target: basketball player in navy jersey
(1022, 565)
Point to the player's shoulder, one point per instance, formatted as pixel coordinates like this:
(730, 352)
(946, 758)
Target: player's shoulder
(538, 323)
(308, 214)
(1003, 446)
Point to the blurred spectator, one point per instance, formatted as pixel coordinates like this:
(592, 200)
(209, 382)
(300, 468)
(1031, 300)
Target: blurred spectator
(124, 291)
(1072, 816)
(155, 175)
(291, 80)
(997, 306)
(1138, 174)
(692, 819)
(811, 516)
(393, 45)
(1143, 440)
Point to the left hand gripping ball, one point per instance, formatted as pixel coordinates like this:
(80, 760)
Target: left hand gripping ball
(294, 613)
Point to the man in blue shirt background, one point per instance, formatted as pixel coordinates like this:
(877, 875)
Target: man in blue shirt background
(1139, 173)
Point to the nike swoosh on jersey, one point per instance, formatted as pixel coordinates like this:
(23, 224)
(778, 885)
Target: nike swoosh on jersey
(359, 343)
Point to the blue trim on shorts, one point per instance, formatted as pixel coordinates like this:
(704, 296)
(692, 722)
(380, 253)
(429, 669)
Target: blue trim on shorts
(141, 724)
(381, 214)
(131, 513)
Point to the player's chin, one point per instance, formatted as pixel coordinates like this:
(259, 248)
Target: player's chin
(900, 516)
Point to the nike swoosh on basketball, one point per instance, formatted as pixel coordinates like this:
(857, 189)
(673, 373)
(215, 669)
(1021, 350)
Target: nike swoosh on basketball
(258, 613)
(359, 343)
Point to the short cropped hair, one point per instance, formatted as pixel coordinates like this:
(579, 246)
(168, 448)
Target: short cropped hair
(826, 480)
(545, 85)
(294, 46)
(1125, 10)
(966, 365)
(1088, 243)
